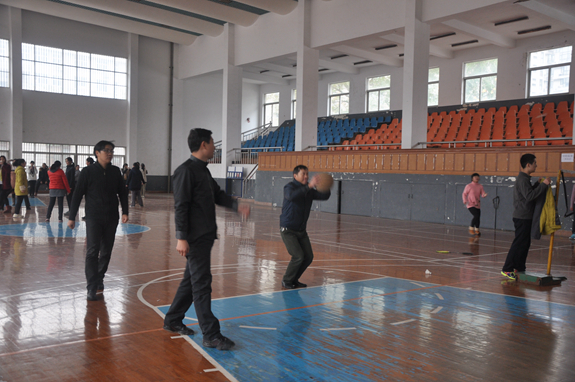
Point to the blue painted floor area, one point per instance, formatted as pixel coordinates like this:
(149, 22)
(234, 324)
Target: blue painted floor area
(56, 229)
(34, 202)
(375, 331)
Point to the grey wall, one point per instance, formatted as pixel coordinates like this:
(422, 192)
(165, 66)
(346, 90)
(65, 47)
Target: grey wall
(426, 198)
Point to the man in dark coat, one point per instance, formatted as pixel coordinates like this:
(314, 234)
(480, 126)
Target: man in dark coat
(71, 176)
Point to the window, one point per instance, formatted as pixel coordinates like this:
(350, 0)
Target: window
(480, 81)
(378, 93)
(49, 153)
(5, 149)
(272, 108)
(549, 71)
(293, 103)
(4, 64)
(339, 98)
(433, 87)
(64, 71)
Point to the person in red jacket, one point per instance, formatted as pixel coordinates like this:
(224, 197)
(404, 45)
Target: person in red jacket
(59, 188)
(5, 184)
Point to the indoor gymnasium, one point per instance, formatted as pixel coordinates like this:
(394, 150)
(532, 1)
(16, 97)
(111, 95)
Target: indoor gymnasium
(282, 190)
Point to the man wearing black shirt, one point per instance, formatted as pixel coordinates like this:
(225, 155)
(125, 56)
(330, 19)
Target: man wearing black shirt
(102, 184)
(71, 176)
(196, 195)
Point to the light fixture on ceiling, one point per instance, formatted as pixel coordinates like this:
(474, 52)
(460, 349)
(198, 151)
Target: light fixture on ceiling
(511, 20)
(386, 47)
(339, 56)
(442, 36)
(464, 43)
(534, 29)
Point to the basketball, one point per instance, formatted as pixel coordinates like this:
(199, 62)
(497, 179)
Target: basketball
(325, 182)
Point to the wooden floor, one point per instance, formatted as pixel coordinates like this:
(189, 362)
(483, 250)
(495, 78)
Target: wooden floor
(370, 313)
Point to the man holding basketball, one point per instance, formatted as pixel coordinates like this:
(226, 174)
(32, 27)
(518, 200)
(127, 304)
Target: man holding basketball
(298, 198)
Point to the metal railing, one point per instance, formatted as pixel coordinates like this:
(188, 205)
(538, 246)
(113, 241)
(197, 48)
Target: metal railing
(257, 132)
(250, 156)
(489, 143)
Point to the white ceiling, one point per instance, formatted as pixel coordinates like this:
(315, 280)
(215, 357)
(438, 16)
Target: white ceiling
(181, 21)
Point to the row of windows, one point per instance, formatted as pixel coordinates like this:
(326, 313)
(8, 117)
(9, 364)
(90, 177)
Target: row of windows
(548, 73)
(65, 71)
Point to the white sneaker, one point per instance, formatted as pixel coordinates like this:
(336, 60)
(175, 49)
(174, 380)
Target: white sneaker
(572, 237)
(16, 216)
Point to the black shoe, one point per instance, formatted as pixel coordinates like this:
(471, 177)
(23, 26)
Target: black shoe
(288, 285)
(83, 218)
(92, 296)
(181, 329)
(67, 213)
(220, 343)
(300, 285)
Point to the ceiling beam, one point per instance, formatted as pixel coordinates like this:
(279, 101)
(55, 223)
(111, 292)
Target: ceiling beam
(100, 19)
(551, 12)
(156, 15)
(376, 57)
(262, 78)
(338, 66)
(277, 68)
(492, 37)
(434, 50)
(281, 7)
(210, 9)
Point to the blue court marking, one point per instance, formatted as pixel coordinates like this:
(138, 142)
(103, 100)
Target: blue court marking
(56, 229)
(299, 350)
(34, 202)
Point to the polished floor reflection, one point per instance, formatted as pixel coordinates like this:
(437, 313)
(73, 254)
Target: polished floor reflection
(371, 311)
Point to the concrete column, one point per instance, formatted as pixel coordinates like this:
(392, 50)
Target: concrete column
(231, 100)
(16, 109)
(415, 76)
(306, 82)
(132, 122)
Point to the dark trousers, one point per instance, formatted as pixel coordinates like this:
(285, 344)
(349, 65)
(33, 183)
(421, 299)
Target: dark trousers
(31, 188)
(4, 197)
(299, 248)
(476, 212)
(51, 207)
(196, 288)
(19, 200)
(517, 255)
(136, 197)
(69, 198)
(100, 237)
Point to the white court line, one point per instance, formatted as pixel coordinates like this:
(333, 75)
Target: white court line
(436, 310)
(403, 322)
(257, 327)
(173, 337)
(337, 329)
(420, 285)
(210, 370)
(439, 296)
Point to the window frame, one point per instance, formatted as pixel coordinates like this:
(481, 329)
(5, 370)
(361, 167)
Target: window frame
(273, 106)
(379, 92)
(435, 82)
(5, 74)
(339, 96)
(481, 77)
(41, 152)
(293, 103)
(548, 68)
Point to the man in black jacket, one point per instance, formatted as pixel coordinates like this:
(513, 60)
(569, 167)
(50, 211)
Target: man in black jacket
(71, 176)
(524, 198)
(298, 198)
(195, 196)
(103, 184)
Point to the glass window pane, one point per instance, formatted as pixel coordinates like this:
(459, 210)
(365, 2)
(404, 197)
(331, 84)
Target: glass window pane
(479, 68)
(83, 88)
(84, 75)
(276, 113)
(69, 87)
(28, 82)
(70, 73)
(433, 94)
(339, 88)
(51, 85)
(28, 52)
(42, 147)
(472, 90)
(55, 148)
(117, 150)
(49, 55)
(272, 97)
(26, 146)
(334, 105)
(102, 62)
(4, 48)
(294, 95)
(384, 100)
(120, 79)
(28, 68)
(267, 114)
(378, 82)
(48, 70)
(433, 75)
(559, 80)
(4, 80)
(4, 64)
(121, 92)
(539, 82)
(41, 159)
(344, 104)
(550, 57)
(83, 60)
(372, 101)
(488, 88)
(121, 65)
(69, 57)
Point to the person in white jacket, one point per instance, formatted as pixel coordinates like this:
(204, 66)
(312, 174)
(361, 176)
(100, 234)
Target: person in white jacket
(32, 175)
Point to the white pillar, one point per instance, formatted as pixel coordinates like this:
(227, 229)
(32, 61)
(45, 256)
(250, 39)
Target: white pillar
(132, 122)
(231, 100)
(16, 109)
(306, 82)
(415, 76)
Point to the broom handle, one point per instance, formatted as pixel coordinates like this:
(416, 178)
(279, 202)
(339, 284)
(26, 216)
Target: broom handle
(553, 234)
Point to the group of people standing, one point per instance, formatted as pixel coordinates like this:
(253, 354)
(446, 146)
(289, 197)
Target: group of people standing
(136, 179)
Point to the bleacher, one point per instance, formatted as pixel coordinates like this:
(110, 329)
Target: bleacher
(505, 126)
